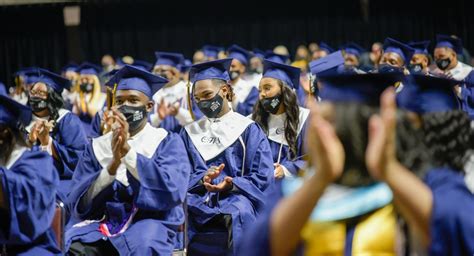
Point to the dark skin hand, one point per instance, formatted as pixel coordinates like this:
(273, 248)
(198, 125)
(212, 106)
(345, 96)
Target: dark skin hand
(119, 126)
(212, 173)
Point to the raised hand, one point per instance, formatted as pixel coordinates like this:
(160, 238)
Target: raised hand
(324, 147)
(381, 152)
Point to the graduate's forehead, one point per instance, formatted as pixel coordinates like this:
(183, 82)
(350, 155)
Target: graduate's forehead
(268, 81)
(122, 94)
(206, 85)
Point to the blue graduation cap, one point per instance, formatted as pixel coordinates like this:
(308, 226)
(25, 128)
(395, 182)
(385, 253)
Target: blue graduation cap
(70, 67)
(169, 58)
(425, 93)
(13, 113)
(275, 57)
(449, 42)
(30, 75)
(142, 64)
(133, 78)
(211, 50)
(258, 53)
(286, 73)
(55, 81)
(239, 53)
(325, 47)
(361, 88)
(186, 66)
(420, 47)
(88, 68)
(353, 48)
(217, 69)
(403, 50)
(3, 89)
(327, 65)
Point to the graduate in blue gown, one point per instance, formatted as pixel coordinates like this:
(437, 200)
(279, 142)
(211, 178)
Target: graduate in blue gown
(445, 56)
(89, 99)
(278, 113)
(421, 59)
(231, 165)
(54, 129)
(443, 204)
(172, 111)
(245, 94)
(299, 216)
(130, 184)
(27, 187)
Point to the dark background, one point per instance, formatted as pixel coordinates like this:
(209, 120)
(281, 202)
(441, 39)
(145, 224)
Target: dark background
(36, 35)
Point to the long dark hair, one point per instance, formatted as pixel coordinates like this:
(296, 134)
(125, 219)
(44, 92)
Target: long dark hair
(289, 101)
(351, 123)
(449, 137)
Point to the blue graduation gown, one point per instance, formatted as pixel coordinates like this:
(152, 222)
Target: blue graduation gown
(29, 189)
(256, 240)
(95, 125)
(452, 221)
(245, 108)
(243, 202)
(69, 140)
(86, 122)
(158, 196)
(467, 95)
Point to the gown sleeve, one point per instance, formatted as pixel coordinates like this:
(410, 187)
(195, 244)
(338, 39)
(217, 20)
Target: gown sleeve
(29, 190)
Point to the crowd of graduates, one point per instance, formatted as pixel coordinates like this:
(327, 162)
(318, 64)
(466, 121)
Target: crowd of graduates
(239, 152)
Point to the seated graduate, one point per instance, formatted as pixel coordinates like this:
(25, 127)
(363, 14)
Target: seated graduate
(245, 94)
(27, 187)
(171, 101)
(421, 60)
(447, 53)
(279, 115)
(55, 129)
(89, 97)
(231, 165)
(441, 211)
(335, 208)
(130, 184)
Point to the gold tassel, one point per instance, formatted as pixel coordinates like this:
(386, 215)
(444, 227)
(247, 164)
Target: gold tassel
(190, 103)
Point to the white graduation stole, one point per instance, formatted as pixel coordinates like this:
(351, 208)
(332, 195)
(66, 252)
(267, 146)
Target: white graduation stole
(62, 113)
(276, 126)
(211, 136)
(460, 71)
(145, 143)
(171, 94)
(242, 90)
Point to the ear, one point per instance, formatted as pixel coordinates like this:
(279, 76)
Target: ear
(149, 106)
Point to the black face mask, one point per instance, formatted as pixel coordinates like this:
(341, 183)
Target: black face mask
(386, 68)
(234, 75)
(271, 104)
(415, 68)
(87, 87)
(134, 116)
(443, 64)
(212, 107)
(37, 104)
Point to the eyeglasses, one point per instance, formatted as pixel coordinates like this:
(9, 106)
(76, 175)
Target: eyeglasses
(38, 93)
